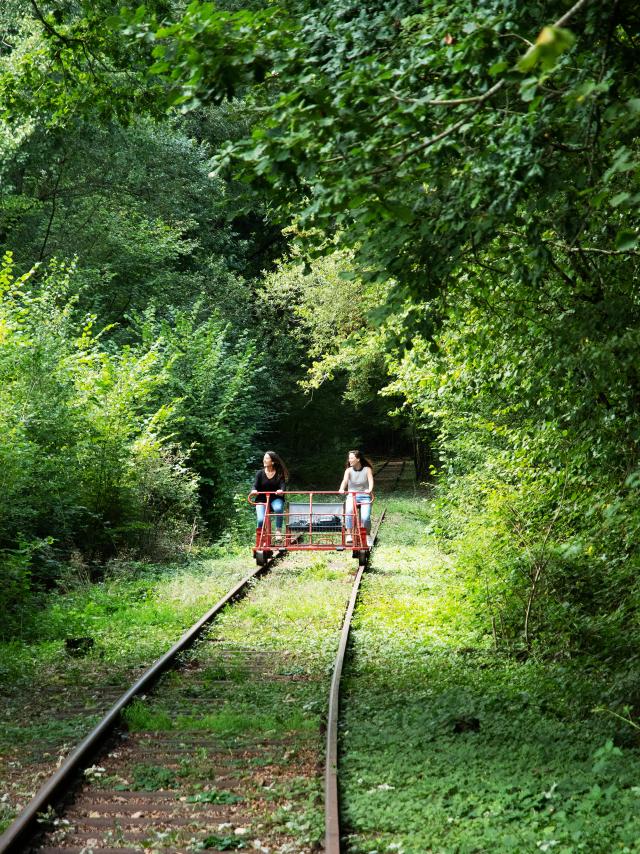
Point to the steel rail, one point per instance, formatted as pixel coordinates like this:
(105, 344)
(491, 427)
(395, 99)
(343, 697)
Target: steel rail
(332, 806)
(381, 466)
(15, 835)
(331, 796)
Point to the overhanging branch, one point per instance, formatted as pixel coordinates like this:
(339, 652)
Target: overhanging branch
(478, 100)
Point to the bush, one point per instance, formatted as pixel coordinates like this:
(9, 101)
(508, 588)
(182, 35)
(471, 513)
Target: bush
(222, 401)
(537, 428)
(86, 461)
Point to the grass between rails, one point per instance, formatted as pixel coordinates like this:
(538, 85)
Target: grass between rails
(263, 672)
(448, 747)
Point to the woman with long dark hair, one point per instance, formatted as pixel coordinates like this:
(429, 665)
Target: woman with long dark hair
(272, 477)
(358, 479)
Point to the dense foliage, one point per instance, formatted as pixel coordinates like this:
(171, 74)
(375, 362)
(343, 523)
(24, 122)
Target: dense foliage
(143, 370)
(463, 183)
(482, 163)
(97, 441)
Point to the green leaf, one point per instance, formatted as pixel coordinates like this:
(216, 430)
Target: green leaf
(498, 67)
(626, 239)
(528, 88)
(550, 45)
(619, 199)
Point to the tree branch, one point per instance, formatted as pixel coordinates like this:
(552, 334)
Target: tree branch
(477, 99)
(593, 249)
(452, 102)
(52, 30)
(576, 8)
(446, 132)
(54, 201)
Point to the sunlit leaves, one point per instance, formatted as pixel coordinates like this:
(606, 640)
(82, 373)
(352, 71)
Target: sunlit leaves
(549, 46)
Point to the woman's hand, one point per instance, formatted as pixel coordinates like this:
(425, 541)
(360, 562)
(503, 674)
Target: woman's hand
(279, 492)
(253, 492)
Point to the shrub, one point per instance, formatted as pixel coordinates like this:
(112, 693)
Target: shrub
(86, 458)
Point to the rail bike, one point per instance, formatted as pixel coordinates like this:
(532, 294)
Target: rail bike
(318, 521)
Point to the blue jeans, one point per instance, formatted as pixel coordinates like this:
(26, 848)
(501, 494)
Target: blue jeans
(363, 500)
(276, 505)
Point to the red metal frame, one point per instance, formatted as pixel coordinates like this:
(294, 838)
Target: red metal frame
(310, 529)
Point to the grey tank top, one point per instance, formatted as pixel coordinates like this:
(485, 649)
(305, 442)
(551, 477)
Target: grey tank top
(358, 480)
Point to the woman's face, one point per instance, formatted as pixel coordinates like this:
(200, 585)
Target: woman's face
(354, 461)
(267, 462)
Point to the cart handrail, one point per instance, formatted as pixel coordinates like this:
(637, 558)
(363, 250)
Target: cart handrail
(310, 492)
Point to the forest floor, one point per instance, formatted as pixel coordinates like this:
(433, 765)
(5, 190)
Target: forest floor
(447, 745)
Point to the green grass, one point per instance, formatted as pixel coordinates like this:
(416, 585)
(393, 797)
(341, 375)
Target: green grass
(451, 748)
(50, 731)
(130, 617)
(149, 778)
(140, 716)
(233, 719)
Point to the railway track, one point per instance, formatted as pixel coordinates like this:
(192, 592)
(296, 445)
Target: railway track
(16, 836)
(333, 834)
(162, 786)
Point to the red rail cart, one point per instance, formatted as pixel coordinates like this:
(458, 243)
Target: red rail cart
(311, 522)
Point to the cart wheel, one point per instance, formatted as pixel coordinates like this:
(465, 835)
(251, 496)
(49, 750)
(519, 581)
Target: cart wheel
(363, 557)
(260, 558)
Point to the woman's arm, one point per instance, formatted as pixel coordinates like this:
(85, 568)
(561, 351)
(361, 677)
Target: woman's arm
(345, 481)
(370, 479)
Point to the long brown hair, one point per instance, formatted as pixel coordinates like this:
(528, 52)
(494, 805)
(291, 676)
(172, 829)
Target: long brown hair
(364, 462)
(278, 464)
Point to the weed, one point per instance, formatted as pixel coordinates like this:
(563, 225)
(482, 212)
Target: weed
(140, 717)
(7, 813)
(215, 796)
(149, 778)
(444, 750)
(306, 822)
(230, 721)
(221, 843)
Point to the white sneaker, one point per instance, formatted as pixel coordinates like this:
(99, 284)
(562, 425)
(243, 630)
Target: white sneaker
(348, 539)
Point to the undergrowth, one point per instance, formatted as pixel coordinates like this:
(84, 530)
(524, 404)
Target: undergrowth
(129, 616)
(450, 746)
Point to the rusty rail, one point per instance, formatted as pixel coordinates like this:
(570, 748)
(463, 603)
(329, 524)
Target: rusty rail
(331, 794)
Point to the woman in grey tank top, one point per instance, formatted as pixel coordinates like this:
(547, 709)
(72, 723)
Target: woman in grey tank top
(358, 479)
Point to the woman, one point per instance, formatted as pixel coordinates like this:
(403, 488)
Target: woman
(358, 479)
(271, 478)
